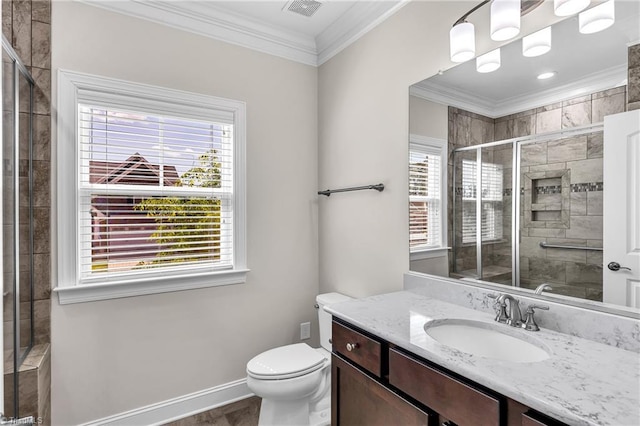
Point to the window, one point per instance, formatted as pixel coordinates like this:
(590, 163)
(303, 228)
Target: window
(152, 189)
(426, 202)
(491, 202)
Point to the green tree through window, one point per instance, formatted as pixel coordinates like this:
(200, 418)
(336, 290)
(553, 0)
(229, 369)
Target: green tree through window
(188, 229)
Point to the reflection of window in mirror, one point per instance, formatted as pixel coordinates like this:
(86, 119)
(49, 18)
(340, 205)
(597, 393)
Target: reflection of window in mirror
(427, 196)
(491, 202)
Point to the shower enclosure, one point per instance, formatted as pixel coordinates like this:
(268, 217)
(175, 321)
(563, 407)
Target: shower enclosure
(17, 223)
(547, 230)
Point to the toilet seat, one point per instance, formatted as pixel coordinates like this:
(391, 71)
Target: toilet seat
(286, 362)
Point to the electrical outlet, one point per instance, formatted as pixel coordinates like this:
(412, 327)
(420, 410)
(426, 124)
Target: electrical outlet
(305, 330)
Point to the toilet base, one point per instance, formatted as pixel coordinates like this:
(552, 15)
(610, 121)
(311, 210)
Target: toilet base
(321, 417)
(294, 413)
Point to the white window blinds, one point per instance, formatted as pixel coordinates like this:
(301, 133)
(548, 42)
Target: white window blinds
(425, 195)
(491, 201)
(155, 193)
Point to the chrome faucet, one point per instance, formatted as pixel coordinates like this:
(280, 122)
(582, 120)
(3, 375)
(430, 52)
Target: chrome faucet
(542, 287)
(514, 315)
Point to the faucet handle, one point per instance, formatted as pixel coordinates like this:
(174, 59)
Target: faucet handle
(529, 321)
(532, 307)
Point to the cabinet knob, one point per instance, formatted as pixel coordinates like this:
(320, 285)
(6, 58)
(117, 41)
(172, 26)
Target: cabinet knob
(352, 346)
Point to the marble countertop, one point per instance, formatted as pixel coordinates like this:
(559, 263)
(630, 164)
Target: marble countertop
(582, 383)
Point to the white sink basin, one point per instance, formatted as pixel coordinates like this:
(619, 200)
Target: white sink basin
(488, 340)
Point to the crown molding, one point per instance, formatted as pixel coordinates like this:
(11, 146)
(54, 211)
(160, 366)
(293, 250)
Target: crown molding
(356, 22)
(206, 19)
(606, 79)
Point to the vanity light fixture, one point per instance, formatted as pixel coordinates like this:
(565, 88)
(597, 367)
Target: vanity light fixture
(505, 24)
(546, 75)
(462, 42)
(505, 19)
(569, 7)
(537, 44)
(597, 18)
(488, 62)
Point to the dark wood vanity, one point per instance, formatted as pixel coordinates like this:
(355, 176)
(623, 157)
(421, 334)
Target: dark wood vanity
(376, 383)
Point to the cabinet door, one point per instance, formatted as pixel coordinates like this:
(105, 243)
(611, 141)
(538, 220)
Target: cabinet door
(533, 418)
(356, 399)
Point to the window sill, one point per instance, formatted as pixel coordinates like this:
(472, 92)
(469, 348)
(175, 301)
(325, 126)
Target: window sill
(429, 253)
(95, 292)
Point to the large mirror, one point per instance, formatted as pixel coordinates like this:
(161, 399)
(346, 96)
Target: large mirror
(474, 137)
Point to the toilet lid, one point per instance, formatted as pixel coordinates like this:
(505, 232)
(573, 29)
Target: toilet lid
(285, 362)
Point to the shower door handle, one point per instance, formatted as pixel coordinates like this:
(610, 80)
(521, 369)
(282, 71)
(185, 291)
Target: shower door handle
(615, 266)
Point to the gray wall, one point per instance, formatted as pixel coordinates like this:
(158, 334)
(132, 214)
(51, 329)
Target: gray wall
(116, 355)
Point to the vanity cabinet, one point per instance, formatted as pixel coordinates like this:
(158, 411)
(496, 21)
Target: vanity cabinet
(376, 383)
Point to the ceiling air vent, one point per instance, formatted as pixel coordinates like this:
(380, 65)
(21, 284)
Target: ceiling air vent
(303, 7)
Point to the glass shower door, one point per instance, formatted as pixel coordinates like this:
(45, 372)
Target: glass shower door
(9, 271)
(483, 234)
(496, 236)
(465, 255)
(17, 229)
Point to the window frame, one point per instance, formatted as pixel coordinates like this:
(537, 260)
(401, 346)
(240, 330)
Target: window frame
(496, 231)
(75, 88)
(436, 147)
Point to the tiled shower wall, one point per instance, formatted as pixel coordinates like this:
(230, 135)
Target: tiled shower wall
(27, 25)
(633, 93)
(575, 272)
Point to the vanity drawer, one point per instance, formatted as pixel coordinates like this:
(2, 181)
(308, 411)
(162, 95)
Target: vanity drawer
(453, 399)
(355, 346)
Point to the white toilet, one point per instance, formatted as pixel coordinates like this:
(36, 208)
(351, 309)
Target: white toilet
(294, 381)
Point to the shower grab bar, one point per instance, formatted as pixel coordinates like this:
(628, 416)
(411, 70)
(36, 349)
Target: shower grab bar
(378, 187)
(545, 245)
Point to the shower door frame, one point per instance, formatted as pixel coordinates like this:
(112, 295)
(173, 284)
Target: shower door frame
(515, 191)
(18, 70)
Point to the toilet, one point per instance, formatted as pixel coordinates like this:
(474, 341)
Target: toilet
(294, 381)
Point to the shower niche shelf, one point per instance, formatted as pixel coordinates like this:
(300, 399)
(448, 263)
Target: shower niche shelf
(546, 199)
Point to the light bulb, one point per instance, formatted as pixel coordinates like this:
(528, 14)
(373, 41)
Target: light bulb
(537, 44)
(597, 18)
(488, 62)
(505, 19)
(569, 7)
(462, 42)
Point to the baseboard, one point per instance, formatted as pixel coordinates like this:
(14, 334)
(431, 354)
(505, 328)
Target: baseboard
(181, 407)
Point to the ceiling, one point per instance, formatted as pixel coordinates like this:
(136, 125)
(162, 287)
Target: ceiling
(584, 63)
(266, 25)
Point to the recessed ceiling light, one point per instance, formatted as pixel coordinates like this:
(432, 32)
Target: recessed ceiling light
(546, 75)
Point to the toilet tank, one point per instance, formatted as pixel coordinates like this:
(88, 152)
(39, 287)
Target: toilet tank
(324, 318)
